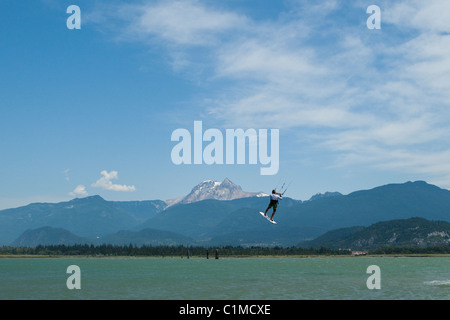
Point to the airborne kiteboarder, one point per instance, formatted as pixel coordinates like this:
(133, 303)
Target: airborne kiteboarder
(274, 197)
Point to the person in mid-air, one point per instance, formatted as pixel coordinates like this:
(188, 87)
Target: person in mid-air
(274, 197)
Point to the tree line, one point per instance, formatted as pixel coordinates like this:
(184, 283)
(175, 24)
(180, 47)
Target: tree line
(198, 251)
(132, 250)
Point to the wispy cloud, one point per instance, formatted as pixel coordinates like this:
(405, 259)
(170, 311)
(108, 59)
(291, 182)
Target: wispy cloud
(186, 22)
(105, 182)
(378, 97)
(429, 16)
(66, 174)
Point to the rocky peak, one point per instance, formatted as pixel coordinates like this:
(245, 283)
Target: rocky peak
(209, 189)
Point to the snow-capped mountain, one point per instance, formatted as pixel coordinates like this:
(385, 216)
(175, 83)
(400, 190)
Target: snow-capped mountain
(209, 189)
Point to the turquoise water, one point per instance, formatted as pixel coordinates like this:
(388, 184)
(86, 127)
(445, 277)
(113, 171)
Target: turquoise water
(226, 278)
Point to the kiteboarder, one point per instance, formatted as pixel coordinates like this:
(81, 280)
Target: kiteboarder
(274, 197)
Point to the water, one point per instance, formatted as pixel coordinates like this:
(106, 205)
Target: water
(337, 278)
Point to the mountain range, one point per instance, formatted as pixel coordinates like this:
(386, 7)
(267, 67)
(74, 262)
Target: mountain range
(201, 219)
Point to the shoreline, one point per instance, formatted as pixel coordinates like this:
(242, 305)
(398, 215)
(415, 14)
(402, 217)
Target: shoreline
(430, 255)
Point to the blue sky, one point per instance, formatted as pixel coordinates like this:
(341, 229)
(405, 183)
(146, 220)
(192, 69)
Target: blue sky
(91, 111)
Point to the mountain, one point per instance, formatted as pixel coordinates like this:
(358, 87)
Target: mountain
(141, 210)
(325, 195)
(93, 216)
(209, 189)
(47, 236)
(55, 236)
(406, 232)
(365, 207)
(87, 217)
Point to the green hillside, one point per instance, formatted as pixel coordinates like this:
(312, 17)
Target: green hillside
(413, 232)
(48, 236)
(148, 237)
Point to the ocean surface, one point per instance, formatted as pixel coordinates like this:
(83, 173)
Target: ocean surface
(328, 278)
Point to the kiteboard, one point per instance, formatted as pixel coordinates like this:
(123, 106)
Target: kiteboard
(268, 219)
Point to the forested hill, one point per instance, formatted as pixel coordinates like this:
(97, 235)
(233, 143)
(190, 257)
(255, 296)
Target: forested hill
(414, 232)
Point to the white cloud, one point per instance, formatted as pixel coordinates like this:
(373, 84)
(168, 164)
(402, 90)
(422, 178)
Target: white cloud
(105, 182)
(431, 15)
(174, 22)
(386, 106)
(374, 97)
(187, 22)
(80, 190)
